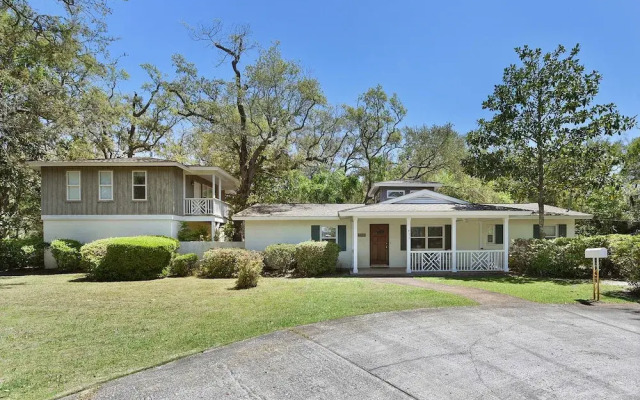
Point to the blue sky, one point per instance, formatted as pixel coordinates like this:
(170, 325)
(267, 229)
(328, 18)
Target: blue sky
(441, 58)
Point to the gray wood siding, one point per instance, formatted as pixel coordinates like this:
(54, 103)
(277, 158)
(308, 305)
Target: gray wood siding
(164, 192)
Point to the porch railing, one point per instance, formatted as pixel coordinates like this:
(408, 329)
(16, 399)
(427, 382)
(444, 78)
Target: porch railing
(206, 207)
(434, 260)
(466, 260)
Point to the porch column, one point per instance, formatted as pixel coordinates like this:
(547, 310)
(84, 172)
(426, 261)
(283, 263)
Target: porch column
(213, 186)
(354, 227)
(408, 245)
(219, 189)
(454, 256)
(505, 240)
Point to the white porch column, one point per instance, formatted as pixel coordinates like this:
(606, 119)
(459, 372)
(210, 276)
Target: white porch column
(219, 189)
(213, 186)
(354, 227)
(454, 256)
(408, 247)
(505, 240)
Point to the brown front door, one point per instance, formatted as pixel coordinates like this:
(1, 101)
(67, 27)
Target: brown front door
(379, 244)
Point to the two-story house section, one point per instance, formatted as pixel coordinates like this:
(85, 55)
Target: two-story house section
(87, 200)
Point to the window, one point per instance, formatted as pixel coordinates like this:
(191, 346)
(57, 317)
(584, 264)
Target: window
(550, 231)
(418, 238)
(328, 234)
(139, 185)
(105, 185)
(435, 237)
(73, 186)
(392, 194)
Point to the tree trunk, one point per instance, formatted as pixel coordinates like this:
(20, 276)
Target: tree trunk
(541, 193)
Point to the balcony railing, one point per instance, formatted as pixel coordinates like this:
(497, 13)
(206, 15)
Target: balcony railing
(206, 207)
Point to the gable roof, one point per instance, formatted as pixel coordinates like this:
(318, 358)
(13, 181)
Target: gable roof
(402, 183)
(293, 211)
(425, 196)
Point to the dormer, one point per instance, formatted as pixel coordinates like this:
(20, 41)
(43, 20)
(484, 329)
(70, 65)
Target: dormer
(387, 190)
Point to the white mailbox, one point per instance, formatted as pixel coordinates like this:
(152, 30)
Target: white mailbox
(596, 252)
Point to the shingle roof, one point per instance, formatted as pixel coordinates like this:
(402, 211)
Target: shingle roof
(548, 210)
(406, 183)
(294, 210)
(123, 160)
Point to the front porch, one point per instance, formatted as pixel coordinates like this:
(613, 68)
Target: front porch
(203, 195)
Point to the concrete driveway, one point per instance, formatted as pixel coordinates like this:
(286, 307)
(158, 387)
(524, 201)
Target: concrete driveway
(486, 352)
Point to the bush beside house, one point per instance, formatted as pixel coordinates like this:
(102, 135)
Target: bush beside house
(280, 258)
(316, 258)
(244, 265)
(67, 254)
(128, 258)
(183, 265)
(21, 253)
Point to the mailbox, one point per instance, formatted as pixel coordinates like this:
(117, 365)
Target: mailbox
(596, 252)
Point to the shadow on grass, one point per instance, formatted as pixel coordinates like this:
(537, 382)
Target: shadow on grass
(623, 295)
(516, 279)
(29, 272)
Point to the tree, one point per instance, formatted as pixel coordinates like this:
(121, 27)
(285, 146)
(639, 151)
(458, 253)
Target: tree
(255, 119)
(373, 133)
(543, 120)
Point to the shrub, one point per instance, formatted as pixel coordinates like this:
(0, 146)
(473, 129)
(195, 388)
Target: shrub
(128, 258)
(220, 263)
(249, 269)
(183, 265)
(67, 254)
(22, 253)
(280, 257)
(188, 234)
(316, 258)
(625, 253)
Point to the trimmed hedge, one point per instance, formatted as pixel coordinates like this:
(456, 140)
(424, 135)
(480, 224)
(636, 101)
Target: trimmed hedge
(245, 265)
(316, 258)
(21, 253)
(564, 257)
(183, 265)
(280, 257)
(128, 258)
(67, 254)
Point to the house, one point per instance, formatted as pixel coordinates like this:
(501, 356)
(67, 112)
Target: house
(410, 226)
(87, 200)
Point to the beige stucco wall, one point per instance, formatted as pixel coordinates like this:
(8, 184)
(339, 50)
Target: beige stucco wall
(471, 234)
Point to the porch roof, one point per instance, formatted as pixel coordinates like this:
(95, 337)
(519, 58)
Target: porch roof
(436, 209)
(293, 211)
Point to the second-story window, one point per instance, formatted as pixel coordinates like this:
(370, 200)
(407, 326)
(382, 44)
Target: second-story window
(392, 194)
(105, 185)
(139, 185)
(73, 186)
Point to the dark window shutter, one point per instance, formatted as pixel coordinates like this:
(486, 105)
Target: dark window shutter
(342, 237)
(499, 234)
(315, 232)
(562, 230)
(403, 237)
(536, 231)
(447, 237)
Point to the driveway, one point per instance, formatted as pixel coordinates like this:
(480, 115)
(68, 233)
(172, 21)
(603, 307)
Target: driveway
(487, 352)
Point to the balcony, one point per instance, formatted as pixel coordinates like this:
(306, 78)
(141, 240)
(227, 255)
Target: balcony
(206, 206)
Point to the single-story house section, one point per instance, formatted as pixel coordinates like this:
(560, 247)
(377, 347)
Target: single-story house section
(410, 226)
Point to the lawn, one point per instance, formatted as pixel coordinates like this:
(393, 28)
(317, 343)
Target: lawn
(59, 333)
(558, 291)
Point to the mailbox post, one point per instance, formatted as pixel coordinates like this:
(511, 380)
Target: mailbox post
(595, 254)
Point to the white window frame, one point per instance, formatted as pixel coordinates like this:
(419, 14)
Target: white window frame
(555, 229)
(435, 237)
(133, 185)
(100, 185)
(401, 191)
(426, 245)
(326, 239)
(79, 185)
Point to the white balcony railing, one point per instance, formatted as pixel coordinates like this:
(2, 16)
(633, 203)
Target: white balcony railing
(206, 207)
(466, 260)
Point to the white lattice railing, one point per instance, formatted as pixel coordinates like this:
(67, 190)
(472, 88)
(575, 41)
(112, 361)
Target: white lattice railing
(425, 261)
(206, 207)
(480, 260)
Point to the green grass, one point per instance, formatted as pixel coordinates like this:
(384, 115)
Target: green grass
(58, 333)
(558, 291)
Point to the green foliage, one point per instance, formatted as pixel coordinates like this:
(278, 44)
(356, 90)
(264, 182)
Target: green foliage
(475, 190)
(280, 257)
(564, 257)
(188, 234)
(183, 265)
(228, 230)
(67, 254)
(316, 258)
(128, 258)
(21, 253)
(249, 270)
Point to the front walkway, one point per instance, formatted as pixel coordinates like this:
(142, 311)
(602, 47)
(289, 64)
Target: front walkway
(482, 297)
(549, 351)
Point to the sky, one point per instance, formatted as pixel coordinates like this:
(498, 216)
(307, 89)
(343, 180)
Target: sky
(442, 58)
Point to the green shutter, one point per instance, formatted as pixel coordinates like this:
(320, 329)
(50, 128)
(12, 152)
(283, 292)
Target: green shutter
(403, 237)
(447, 237)
(562, 230)
(342, 237)
(315, 232)
(536, 231)
(499, 234)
